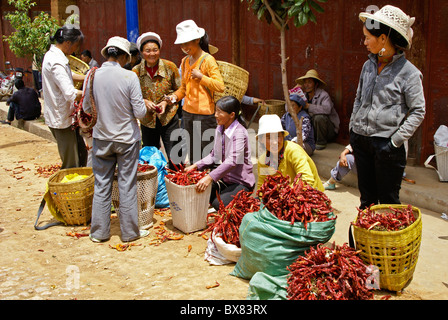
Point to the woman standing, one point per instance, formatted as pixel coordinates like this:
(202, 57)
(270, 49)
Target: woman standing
(200, 79)
(231, 151)
(389, 106)
(116, 141)
(60, 94)
(158, 77)
(281, 155)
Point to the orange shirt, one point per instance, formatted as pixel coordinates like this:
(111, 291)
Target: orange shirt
(197, 98)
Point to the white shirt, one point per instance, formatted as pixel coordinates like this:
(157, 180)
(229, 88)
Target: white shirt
(119, 103)
(58, 89)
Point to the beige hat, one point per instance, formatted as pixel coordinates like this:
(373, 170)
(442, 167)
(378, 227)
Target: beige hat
(395, 18)
(148, 36)
(118, 42)
(187, 31)
(270, 123)
(310, 74)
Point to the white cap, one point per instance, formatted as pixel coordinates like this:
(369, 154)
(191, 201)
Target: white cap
(118, 42)
(148, 36)
(270, 123)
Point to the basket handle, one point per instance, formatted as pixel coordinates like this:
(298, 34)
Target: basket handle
(351, 241)
(427, 165)
(39, 212)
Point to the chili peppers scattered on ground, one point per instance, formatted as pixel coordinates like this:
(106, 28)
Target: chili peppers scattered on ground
(228, 219)
(392, 219)
(162, 235)
(48, 171)
(323, 273)
(297, 202)
(184, 178)
(124, 246)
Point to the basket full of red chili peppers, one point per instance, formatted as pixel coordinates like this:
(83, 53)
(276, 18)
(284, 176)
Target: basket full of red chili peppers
(189, 208)
(389, 236)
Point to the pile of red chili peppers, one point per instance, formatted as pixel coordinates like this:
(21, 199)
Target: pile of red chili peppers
(392, 219)
(298, 202)
(144, 167)
(323, 273)
(228, 219)
(185, 178)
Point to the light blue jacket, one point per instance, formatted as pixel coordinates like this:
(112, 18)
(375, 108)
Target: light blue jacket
(391, 104)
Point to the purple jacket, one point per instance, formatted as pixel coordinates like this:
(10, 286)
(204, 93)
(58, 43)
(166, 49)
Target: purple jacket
(231, 150)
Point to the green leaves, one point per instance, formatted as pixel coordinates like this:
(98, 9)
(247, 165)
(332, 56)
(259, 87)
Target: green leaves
(31, 37)
(299, 11)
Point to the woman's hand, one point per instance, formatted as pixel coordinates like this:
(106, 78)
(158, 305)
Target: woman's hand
(196, 74)
(151, 106)
(171, 99)
(161, 107)
(191, 168)
(203, 183)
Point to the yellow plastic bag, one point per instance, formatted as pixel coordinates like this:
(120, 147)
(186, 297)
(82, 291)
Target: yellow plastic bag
(73, 177)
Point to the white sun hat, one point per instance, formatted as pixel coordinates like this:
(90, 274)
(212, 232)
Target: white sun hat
(148, 36)
(270, 123)
(395, 18)
(118, 42)
(187, 31)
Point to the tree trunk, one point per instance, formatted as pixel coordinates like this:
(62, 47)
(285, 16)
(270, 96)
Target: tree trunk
(297, 122)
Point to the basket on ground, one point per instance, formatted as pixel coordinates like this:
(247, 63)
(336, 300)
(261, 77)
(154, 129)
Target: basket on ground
(79, 67)
(395, 253)
(73, 199)
(189, 208)
(146, 196)
(441, 154)
(272, 107)
(236, 80)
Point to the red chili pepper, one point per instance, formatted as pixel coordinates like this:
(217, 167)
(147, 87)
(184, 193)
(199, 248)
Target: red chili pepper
(228, 219)
(336, 273)
(294, 202)
(389, 220)
(183, 178)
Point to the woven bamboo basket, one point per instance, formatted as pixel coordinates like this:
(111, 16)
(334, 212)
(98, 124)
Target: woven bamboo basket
(78, 66)
(146, 197)
(272, 107)
(236, 80)
(189, 208)
(395, 253)
(73, 199)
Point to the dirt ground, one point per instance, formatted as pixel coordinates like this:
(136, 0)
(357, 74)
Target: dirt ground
(48, 264)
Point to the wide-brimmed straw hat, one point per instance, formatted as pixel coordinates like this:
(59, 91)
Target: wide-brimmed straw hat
(270, 123)
(120, 43)
(148, 36)
(395, 18)
(187, 31)
(310, 74)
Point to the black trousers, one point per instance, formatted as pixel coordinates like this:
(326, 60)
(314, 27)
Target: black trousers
(380, 170)
(151, 138)
(200, 131)
(226, 192)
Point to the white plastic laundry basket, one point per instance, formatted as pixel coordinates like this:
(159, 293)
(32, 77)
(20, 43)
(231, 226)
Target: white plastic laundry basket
(441, 154)
(189, 208)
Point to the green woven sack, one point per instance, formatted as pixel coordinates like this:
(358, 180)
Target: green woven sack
(269, 245)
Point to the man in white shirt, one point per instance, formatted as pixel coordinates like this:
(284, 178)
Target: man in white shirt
(60, 94)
